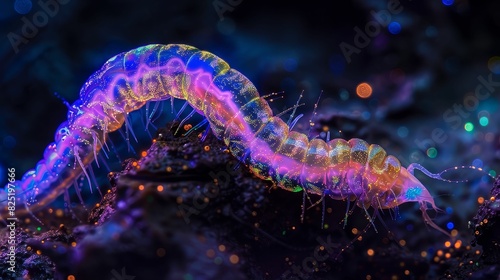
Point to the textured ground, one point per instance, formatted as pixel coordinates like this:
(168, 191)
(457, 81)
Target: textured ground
(184, 211)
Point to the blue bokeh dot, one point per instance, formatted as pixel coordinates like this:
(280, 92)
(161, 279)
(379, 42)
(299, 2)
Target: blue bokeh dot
(477, 163)
(450, 225)
(394, 27)
(23, 6)
(448, 2)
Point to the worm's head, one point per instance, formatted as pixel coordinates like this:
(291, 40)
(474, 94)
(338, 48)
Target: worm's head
(407, 188)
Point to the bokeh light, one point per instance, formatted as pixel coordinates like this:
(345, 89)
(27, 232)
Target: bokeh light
(448, 2)
(23, 6)
(432, 152)
(364, 90)
(483, 121)
(469, 127)
(477, 163)
(403, 131)
(394, 27)
(344, 94)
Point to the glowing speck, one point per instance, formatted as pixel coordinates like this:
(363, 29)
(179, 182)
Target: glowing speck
(480, 200)
(159, 188)
(394, 27)
(370, 252)
(483, 121)
(448, 2)
(450, 225)
(493, 173)
(469, 127)
(71, 277)
(432, 152)
(144, 153)
(364, 90)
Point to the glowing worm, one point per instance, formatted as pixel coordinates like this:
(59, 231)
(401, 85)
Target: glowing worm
(344, 170)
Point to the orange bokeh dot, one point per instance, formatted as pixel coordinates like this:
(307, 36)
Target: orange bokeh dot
(234, 259)
(364, 90)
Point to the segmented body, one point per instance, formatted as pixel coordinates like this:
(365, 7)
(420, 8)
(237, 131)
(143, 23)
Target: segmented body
(236, 113)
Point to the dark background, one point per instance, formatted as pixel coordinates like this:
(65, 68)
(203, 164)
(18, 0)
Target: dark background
(418, 74)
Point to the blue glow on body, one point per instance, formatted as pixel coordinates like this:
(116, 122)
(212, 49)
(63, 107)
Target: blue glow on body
(413, 193)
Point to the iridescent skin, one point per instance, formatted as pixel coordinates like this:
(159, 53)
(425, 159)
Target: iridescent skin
(237, 114)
